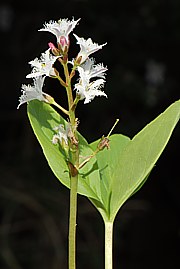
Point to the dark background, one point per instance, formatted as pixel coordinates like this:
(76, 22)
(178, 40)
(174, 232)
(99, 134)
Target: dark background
(142, 55)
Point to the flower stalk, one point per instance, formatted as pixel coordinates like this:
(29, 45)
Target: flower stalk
(74, 155)
(61, 108)
(69, 94)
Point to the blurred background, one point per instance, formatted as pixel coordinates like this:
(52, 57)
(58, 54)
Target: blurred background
(143, 58)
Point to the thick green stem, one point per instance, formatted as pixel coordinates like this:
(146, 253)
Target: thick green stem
(108, 245)
(74, 153)
(72, 222)
(73, 208)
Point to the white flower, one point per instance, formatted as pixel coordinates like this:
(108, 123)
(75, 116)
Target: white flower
(31, 92)
(91, 69)
(87, 47)
(60, 29)
(88, 90)
(43, 66)
(61, 136)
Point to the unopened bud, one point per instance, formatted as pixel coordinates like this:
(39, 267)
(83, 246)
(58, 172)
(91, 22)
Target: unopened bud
(63, 41)
(63, 44)
(54, 50)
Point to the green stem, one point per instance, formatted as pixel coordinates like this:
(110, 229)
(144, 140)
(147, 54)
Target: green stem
(72, 222)
(108, 245)
(73, 208)
(61, 81)
(61, 108)
(69, 93)
(73, 174)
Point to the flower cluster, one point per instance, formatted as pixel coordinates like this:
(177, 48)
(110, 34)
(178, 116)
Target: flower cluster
(91, 76)
(87, 87)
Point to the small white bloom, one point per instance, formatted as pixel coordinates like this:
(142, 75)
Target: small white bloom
(61, 28)
(91, 69)
(61, 136)
(88, 90)
(43, 66)
(31, 92)
(87, 47)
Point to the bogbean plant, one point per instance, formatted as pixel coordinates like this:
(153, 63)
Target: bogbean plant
(107, 171)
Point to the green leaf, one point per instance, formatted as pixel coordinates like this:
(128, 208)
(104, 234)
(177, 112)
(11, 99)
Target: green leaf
(125, 167)
(114, 175)
(107, 161)
(43, 119)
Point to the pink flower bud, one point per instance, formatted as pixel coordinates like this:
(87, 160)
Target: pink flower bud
(51, 46)
(63, 43)
(54, 50)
